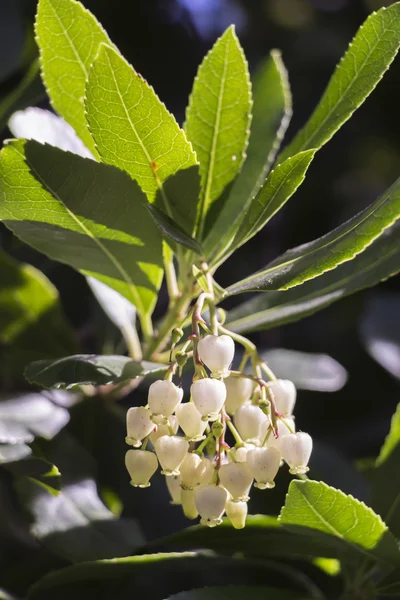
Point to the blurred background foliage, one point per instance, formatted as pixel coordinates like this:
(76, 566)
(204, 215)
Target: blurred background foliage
(166, 40)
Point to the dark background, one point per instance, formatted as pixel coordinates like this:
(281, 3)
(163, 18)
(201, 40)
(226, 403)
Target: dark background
(165, 40)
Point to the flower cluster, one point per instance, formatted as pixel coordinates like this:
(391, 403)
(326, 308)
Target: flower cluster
(203, 472)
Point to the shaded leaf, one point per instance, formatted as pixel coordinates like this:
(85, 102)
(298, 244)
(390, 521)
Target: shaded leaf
(173, 231)
(379, 261)
(118, 308)
(100, 226)
(389, 586)
(238, 593)
(32, 324)
(308, 371)
(369, 55)
(27, 92)
(131, 128)
(183, 191)
(69, 37)
(37, 472)
(380, 330)
(392, 439)
(88, 369)
(327, 252)
(354, 526)
(218, 119)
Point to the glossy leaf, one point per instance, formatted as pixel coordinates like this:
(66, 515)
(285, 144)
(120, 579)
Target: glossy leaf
(69, 37)
(88, 369)
(238, 593)
(131, 128)
(327, 252)
(218, 119)
(349, 521)
(379, 261)
(100, 226)
(32, 324)
(173, 231)
(357, 74)
(29, 91)
(308, 371)
(271, 117)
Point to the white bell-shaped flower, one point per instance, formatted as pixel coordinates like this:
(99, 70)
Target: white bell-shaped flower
(169, 428)
(174, 487)
(209, 472)
(284, 392)
(192, 470)
(171, 450)
(188, 503)
(237, 479)
(217, 352)
(138, 425)
(239, 455)
(208, 396)
(141, 465)
(283, 430)
(248, 420)
(164, 397)
(263, 464)
(296, 450)
(210, 502)
(238, 391)
(190, 421)
(236, 513)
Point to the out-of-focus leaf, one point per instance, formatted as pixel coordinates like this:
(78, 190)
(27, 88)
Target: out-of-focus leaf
(69, 38)
(32, 324)
(392, 439)
(88, 369)
(118, 308)
(29, 91)
(75, 524)
(353, 525)
(238, 593)
(94, 220)
(5, 595)
(380, 330)
(389, 586)
(37, 472)
(377, 262)
(47, 128)
(308, 371)
(342, 244)
(218, 119)
(131, 128)
(362, 67)
(13, 452)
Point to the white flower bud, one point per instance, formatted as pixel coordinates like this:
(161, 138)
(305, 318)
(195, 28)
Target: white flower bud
(138, 425)
(237, 479)
(209, 397)
(238, 391)
(171, 450)
(188, 503)
(192, 470)
(284, 392)
(141, 465)
(164, 397)
(210, 502)
(174, 487)
(217, 352)
(248, 420)
(190, 421)
(263, 464)
(236, 513)
(163, 429)
(283, 430)
(296, 450)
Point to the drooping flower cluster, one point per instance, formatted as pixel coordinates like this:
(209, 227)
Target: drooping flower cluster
(203, 472)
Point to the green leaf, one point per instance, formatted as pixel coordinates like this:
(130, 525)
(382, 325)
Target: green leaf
(379, 261)
(88, 369)
(32, 324)
(357, 74)
(389, 586)
(37, 472)
(29, 91)
(271, 116)
(218, 119)
(172, 231)
(307, 370)
(355, 527)
(238, 593)
(69, 37)
(327, 252)
(88, 215)
(391, 440)
(131, 128)
(183, 191)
